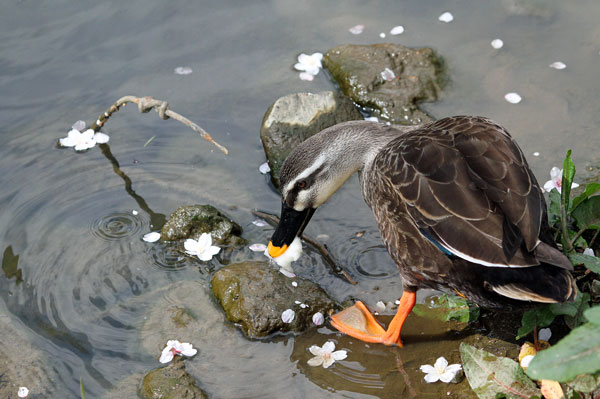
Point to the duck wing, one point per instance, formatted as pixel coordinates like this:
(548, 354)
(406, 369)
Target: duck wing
(468, 188)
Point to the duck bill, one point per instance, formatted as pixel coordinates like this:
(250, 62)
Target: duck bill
(291, 225)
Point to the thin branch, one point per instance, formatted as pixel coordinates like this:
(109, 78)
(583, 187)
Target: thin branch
(274, 221)
(400, 365)
(145, 104)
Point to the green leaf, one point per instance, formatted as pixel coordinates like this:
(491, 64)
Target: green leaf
(591, 262)
(584, 383)
(82, 388)
(587, 214)
(447, 307)
(539, 317)
(490, 375)
(593, 315)
(590, 189)
(567, 180)
(554, 207)
(583, 303)
(577, 353)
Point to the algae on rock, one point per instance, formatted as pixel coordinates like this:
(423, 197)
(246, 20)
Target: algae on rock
(254, 295)
(170, 382)
(414, 75)
(193, 220)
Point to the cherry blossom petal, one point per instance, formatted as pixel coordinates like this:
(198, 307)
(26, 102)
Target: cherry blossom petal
(328, 361)
(258, 247)
(79, 125)
(545, 334)
(315, 361)
(71, 139)
(441, 363)
(432, 377)
(191, 246)
(549, 185)
(316, 350)
(187, 349)
(318, 319)
(388, 74)
(382, 35)
(101, 138)
(259, 223)
(497, 44)
(264, 168)
(288, 316)
(166, 355)
(306, 76)
(397, 30)
(357, 29)
(339, 355)
(151, 237)
(446, 17)
(558, 65)
(329, 346)
(183, 70)
(589, 251)
(513, 98)
(526, 360)
(447, 377)
(23, 392)
(427, 368)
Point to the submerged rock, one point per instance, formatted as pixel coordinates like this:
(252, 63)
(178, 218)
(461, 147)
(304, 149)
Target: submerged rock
(295, 117)
(255, 296)
(170, 382)
(192, 220)
(387, 79)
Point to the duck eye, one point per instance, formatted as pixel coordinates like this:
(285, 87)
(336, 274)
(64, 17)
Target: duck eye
(301, 184)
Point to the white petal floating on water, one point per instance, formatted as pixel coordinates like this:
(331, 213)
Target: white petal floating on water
(151, 237)
(183, 70)
(259, 223)
(303, 305)
(101, 138)
(536, 154)
(294, 284)
(372, 118)
(397, 30)
(382, 35)
(357, 29)
(134, 212)
(264, 168)
(380, 306)
(79, 125)
(513, 98)
(318, 319)
(388, 74)
(497, 43)
(446, 17)
(23, 392)
(306, 76)
(545, 334)
(322, 237)
(258, 247)
(288, 316)
(558, 65)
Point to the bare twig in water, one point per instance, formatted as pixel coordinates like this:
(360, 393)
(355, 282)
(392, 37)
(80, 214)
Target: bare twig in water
(145, 104)
(400, 365)
(274, 221)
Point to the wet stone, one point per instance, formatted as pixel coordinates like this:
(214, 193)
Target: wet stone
(192, 220)
(389, 80)
(254, 296)
(295, 117)
(170, 382)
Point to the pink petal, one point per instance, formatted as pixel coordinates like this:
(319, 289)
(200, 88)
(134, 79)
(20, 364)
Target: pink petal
(101, 138)
(258, 247)
(151, 237)
(357, 29)
(306, 76)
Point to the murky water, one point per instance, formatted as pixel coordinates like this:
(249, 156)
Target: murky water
(84, 282)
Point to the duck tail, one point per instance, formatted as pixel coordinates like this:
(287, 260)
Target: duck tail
(548, 254)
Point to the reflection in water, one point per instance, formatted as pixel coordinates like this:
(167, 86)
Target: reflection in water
(157, 220)
(116, 226)
(169, 256)
(10, 263)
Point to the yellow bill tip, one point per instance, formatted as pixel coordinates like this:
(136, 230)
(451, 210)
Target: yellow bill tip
(276, 251)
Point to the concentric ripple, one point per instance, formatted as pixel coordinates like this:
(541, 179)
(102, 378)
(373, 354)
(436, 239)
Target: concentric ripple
(169, 256)
(116, 226)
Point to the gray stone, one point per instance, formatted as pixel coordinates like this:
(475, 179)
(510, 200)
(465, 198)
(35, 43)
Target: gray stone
(254, 296)
(295, 117)
(417, 76)
(170, 382)
(192, 220)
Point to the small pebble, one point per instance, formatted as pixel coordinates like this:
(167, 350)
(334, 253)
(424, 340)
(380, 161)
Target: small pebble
(513, 98)
(497, 43)
(558, 65)
(446, 17)
(397, 30)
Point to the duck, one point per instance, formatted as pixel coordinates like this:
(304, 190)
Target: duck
(457, 207)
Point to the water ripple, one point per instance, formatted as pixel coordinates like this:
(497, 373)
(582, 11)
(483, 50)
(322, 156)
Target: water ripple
(116, 226)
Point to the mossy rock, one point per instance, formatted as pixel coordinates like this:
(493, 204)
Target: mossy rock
(254, 296)
(418, 75)
(192, 220)
(171, 382)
